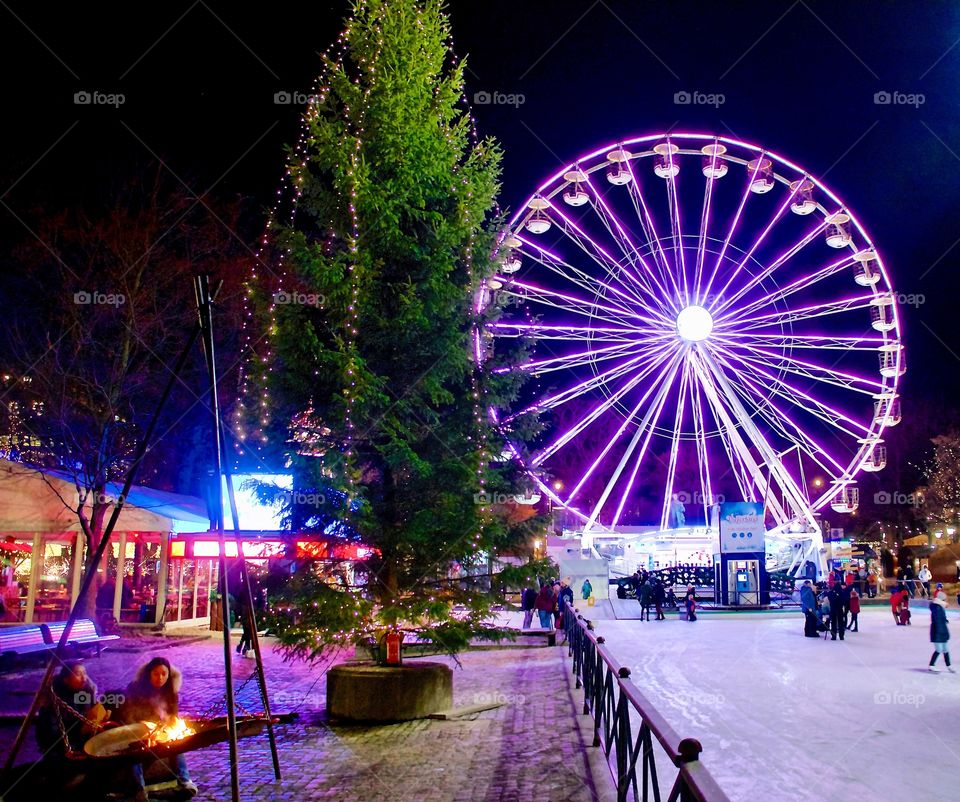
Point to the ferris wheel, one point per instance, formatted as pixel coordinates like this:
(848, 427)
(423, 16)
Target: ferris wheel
(705, 320)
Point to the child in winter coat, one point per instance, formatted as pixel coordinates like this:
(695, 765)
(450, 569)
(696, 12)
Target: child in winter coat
(691, 604)
(939, 634)
(854, 625)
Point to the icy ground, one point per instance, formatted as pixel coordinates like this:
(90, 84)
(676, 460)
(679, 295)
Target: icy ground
(781, 716)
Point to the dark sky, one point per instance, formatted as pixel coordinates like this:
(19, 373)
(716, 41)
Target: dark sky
(800, 78)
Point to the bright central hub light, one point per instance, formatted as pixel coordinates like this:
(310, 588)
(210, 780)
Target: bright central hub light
(694, 324)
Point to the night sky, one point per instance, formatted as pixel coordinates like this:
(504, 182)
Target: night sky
(199, 82)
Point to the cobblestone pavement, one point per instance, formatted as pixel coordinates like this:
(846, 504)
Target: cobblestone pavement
(528, 748)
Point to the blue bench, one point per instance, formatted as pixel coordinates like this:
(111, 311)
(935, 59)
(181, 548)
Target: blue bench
(82, 634)
(23, 640)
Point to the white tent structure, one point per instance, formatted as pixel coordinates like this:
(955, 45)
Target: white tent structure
(35, 512)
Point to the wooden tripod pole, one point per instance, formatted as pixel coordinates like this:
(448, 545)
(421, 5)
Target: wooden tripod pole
(204, 310)
(251, 612)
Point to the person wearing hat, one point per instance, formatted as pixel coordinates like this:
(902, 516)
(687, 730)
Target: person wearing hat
(939, 634)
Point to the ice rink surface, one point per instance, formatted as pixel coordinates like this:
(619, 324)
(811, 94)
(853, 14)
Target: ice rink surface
(784, 717)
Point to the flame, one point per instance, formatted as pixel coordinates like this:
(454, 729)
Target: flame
(171, 732)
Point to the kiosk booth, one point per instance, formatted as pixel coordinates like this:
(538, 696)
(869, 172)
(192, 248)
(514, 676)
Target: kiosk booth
(740, 572)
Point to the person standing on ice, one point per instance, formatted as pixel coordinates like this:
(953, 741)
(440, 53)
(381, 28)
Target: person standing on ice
(838, 620)
(808, 604)
(646, 599)
(925, 576)
(939, 634)
(691, 603)
(854, 607)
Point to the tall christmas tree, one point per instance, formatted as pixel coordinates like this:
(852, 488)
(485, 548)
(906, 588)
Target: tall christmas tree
(377, 373)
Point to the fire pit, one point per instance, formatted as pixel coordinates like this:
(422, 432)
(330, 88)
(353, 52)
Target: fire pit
(146, 739)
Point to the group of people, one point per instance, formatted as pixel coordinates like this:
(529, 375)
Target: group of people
(74, 711)
(547, 603)
(835, 609)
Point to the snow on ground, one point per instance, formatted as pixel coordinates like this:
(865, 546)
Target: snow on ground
(781, 716)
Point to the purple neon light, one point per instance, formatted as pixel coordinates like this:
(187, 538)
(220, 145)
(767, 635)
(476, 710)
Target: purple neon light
(668, 377)
(800, 393)
(758, 342)
(633, 250)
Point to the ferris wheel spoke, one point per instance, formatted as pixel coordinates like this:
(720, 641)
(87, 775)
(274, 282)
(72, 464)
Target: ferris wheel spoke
(615, 228)
(645, 361)
(702, 238)
(770, 269)
(645, 424)
(703, 461)
(676, 230)
(598, 254)
(732, 230)
(596, 412)
(783, 293)
(564, 361)
(806, 312)
(639, 459)
(724, 302)
(727, 410)
(582, 279)
(794, 395)
(575, 304)
(675, 445)
(758, 397)
(812, 370)
(650, 233)
(817, 342)
(667, 377)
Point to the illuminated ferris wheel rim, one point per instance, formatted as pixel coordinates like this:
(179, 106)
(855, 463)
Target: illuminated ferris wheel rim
(702, 312)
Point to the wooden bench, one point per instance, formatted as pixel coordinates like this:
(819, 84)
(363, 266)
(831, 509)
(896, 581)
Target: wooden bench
(83, 633)
(549, 634)
(22, 640)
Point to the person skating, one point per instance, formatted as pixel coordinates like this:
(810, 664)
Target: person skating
(854, 606)
(939, 634)
(838, 622)
(925, 576)
(659, 597)
(896, 599)
(691, 603)
(646, 599)
(808, 605)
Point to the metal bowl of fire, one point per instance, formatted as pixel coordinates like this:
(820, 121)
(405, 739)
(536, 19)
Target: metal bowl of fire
(146, 739)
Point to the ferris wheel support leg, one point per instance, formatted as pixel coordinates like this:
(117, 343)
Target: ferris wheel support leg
(738, 445)
(796, 498)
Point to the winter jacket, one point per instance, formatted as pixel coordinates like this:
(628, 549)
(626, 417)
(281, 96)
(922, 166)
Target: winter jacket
(143, 702)
(895, 598)
(528, 599)
(545, 599)
(566, 592)
(587, 589)
(808, 600)
(836, 598)
(938, 623)
(855, 603)
(646, 594)
(49, 736)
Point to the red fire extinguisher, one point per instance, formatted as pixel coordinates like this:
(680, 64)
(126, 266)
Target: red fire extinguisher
(393, 640)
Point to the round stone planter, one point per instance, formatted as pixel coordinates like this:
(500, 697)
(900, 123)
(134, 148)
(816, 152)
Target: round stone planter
(371, 693)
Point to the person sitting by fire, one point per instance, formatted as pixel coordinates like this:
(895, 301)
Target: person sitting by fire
(154, 696)
(70, 715)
